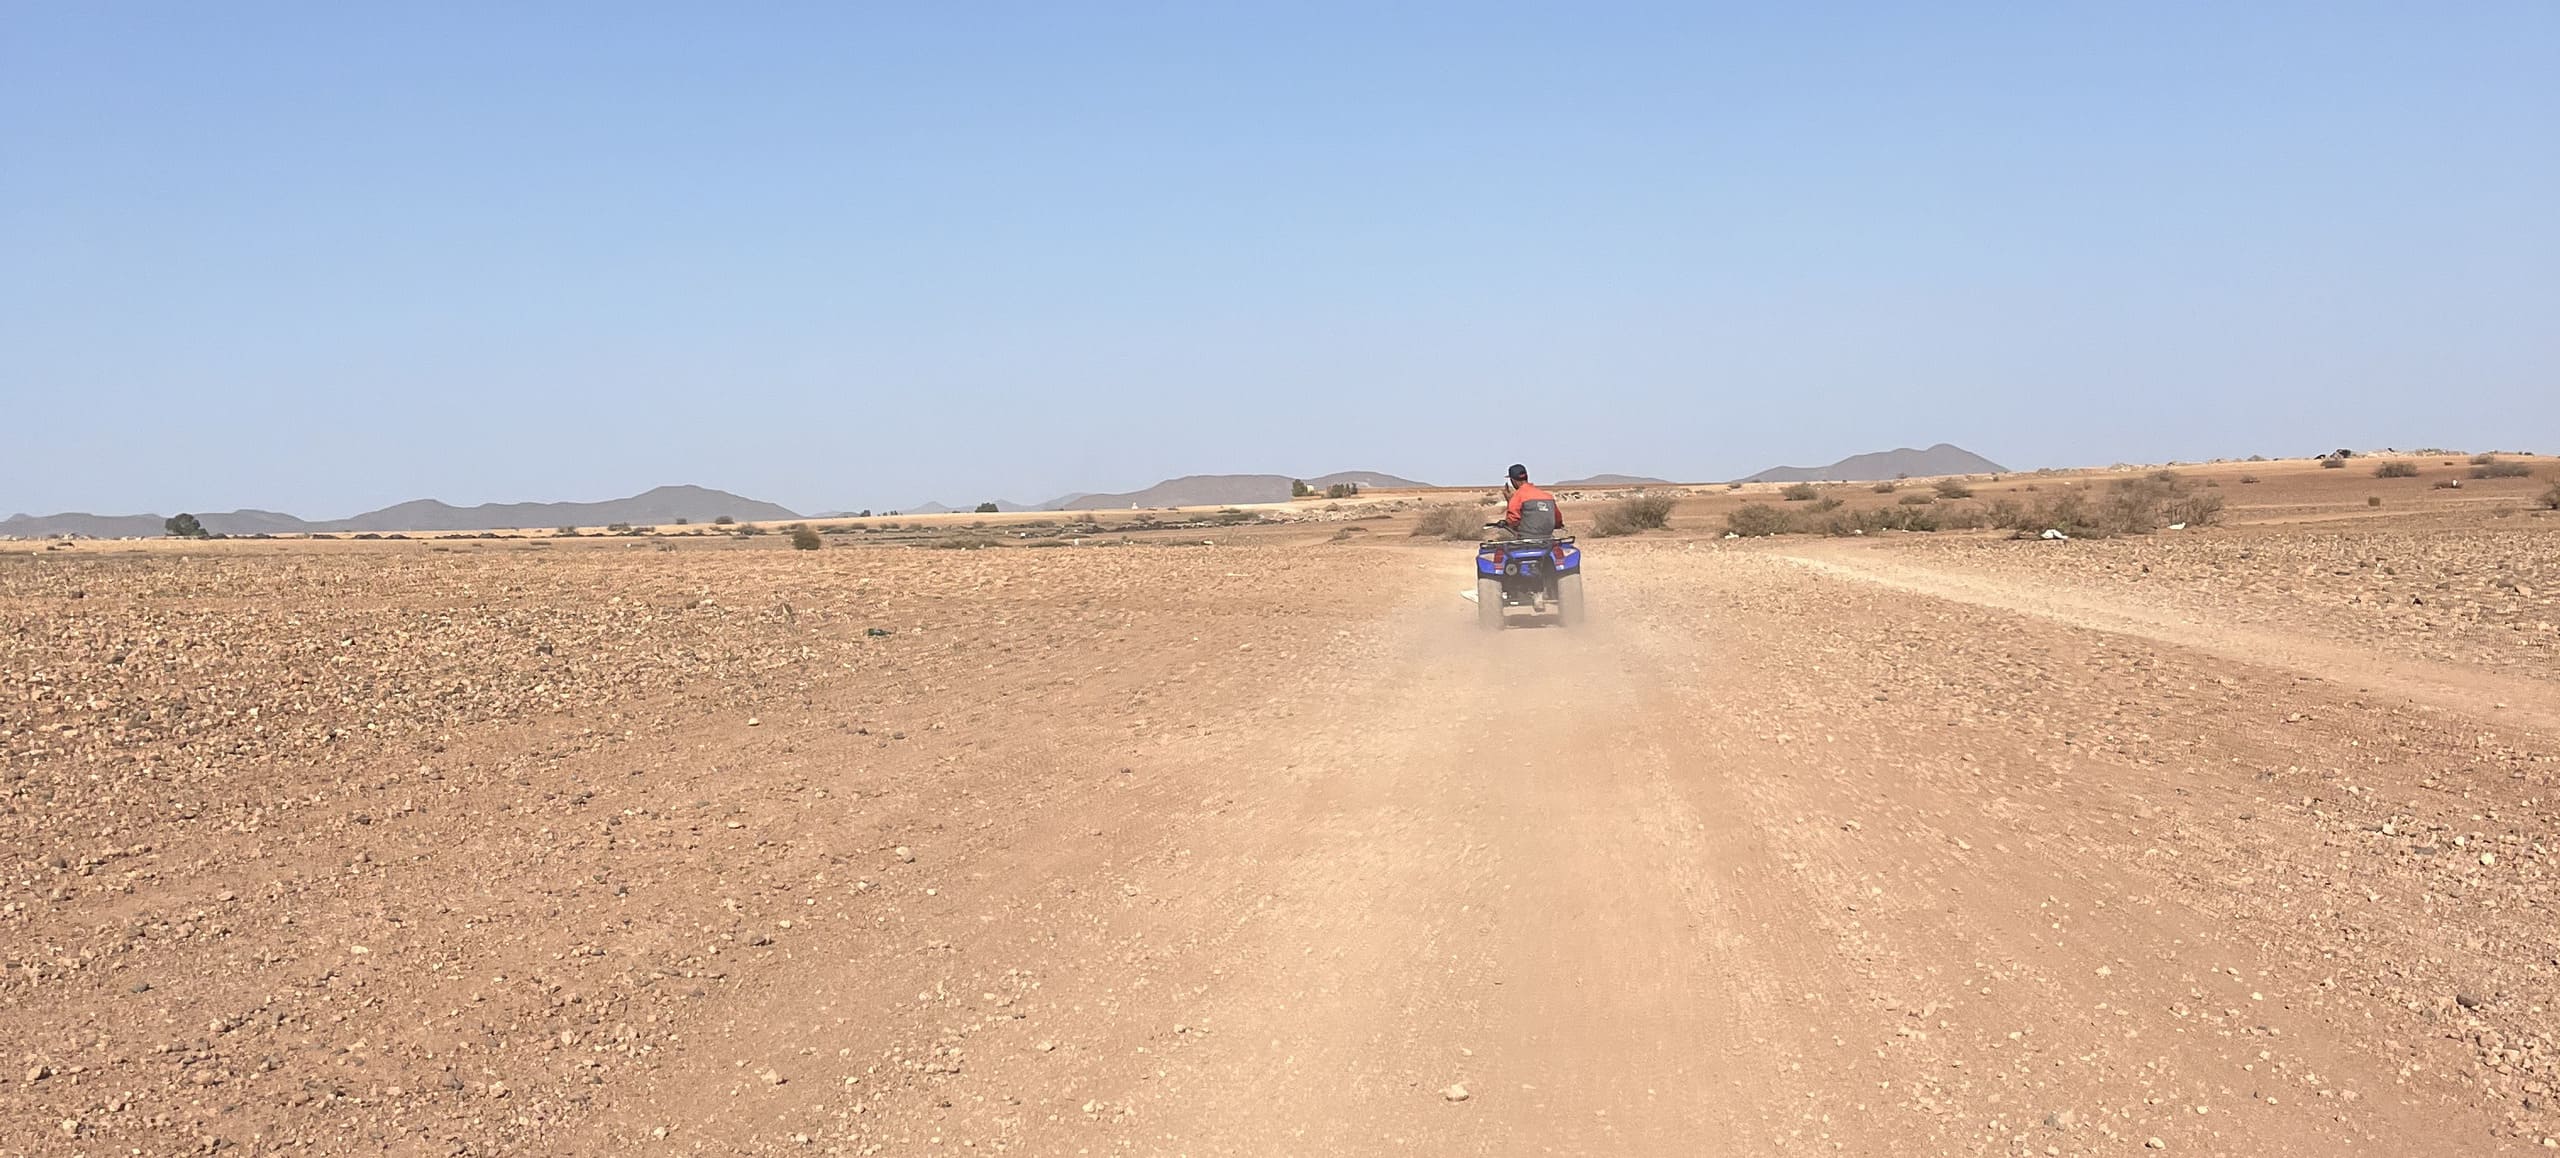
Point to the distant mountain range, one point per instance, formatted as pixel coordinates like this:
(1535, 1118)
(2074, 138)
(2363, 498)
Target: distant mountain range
(1197, 490)
(649, 508)
(1615, 480)
(1942, 459)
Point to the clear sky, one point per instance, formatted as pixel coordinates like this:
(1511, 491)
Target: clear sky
(324, 257)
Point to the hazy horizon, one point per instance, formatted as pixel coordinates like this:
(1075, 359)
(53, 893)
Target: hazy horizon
(322, 260)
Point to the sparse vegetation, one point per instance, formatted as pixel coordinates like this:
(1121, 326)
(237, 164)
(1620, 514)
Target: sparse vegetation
(2396, 469)
(2132, 506)
(2488, 466)
(1885, 488)
(2248, 478)
(2373, 500)
(1954, 488)
(1342, 490)
(986, 508)
(1800, 493)
(723, 521)
(2550, 499)
(184, 526)
(2483, 459)
(1448, 521)
(1631, 515)
(567, 532)
(1917, 500)
(1754, 520)
(2333, 464)
(804, 539)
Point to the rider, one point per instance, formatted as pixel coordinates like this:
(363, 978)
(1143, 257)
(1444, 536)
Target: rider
(1522, 492)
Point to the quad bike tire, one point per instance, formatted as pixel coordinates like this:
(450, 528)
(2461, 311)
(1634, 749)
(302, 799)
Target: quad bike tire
(1569, 611)
(1489, 604)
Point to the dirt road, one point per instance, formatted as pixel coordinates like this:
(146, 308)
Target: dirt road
(1792, 850)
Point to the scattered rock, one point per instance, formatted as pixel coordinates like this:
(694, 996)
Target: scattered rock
(1456, 1093)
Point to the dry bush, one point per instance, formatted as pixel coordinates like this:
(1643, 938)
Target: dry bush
(2373, 500)
(1954, 489)
(1753, 520)
(2248, 478)
(1884, 488)
(1917, 500)
(2333, 464)
(2483, 459)
(1800, 493)
(2550, 499)
(2134, 506)
(804, 539)
(1448, 521)
(1628, 516)
(2490, 467)
(2396, 470)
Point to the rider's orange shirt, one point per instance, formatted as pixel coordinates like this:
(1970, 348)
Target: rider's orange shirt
(1525, 492)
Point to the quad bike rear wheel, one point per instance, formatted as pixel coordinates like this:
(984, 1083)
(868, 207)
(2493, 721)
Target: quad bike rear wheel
(1489, 603)
(1569, 600)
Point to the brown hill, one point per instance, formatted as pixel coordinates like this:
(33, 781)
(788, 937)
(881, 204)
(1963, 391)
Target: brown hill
(1942, 459)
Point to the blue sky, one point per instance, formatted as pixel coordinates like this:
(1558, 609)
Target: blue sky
(322, 258)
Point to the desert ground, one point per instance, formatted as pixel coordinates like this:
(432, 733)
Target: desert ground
(1233, 834)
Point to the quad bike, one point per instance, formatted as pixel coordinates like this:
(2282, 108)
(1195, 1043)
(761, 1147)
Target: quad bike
(1539, 572)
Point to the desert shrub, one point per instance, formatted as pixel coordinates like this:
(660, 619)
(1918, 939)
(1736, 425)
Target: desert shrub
(567, 532)
(2396, 470)
(2132, 506)
(1800, 493)
(2490, 467)
(2550, 499)
(723, 521)
(1952, 488)
(804, 539)
(1884, 488)
(1916, 500)
(2246, 479)
(1628, 516)
(2448, 484)
(749, 529)
(2483, 459)
(1448, 521)
(2333, 464)
(1753, 520)
(2373, 500)
(1733, 486)
(682, 521)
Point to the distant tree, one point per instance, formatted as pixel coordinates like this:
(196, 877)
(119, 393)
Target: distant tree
(866, 513)
(682, 521)
(986, 508)
(569, 532)
(1342, 490)
(723, 521)
(1298, 488)
(185, 526)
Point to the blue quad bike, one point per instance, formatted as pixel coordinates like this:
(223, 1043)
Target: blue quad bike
(1540, 572)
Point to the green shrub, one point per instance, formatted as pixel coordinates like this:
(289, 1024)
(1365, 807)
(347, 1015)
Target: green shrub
(2396, 470)
(986, 508)
(1753, 520)
(1800, 493)
(184, 526)
(1630, 515)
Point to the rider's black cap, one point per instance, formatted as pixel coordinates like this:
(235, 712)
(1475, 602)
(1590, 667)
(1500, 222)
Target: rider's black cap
(1519, 471)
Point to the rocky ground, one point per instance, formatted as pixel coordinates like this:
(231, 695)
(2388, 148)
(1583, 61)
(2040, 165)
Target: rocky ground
(2236, 841)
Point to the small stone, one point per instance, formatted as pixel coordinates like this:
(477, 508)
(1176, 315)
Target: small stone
(772, 1078)
(2155, 1144)
(39, 1073)
(2466, 1000)
(754, 722)
(71, 1127)
(906, 854)
(2487, 859)
(1046, 1046)
(1455, 1093)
